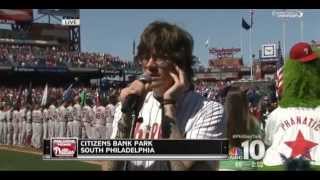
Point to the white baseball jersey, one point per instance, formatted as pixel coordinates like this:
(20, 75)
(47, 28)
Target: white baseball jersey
(29, 119)
(37, 116)
(87, 117)
(87, 114)
(37, 128)
(23, 114)
(15, 124)
(62, 111)
(15, 116)
(196, 117)
(45, 115)
(53, 113)
(77, 112)
(3, 128)
(22, 128)
(52, 120)
(100, 116)
(2, 116)
(69, 113)
(8, 116)
(110, 112)
(293, 132)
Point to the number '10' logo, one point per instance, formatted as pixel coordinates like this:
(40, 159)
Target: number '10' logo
(249, 149)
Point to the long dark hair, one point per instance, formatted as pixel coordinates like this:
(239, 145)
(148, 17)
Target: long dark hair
(239, 121)
(169, 41)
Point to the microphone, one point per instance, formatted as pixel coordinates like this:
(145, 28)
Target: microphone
(132, 100)
(130, 106)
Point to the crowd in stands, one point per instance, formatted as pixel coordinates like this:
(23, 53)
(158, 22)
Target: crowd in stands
(213, 91)
(261, 100)
(55, 56)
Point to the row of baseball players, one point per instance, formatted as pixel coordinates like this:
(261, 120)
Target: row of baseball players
(29, 125)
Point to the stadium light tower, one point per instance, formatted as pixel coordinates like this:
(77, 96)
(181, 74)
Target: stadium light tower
(285, 15)
(67, 15)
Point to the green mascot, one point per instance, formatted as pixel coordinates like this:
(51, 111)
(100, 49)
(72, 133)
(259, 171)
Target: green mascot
(293, 129)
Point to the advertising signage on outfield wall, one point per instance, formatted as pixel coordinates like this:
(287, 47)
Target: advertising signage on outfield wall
(49, 31)
(12, 16)
(60, 12)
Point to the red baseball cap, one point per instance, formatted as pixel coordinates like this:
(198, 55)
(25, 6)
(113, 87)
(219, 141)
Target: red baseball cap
(302, 52)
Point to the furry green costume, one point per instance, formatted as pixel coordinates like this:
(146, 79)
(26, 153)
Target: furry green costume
(301, 83)
(293, 129)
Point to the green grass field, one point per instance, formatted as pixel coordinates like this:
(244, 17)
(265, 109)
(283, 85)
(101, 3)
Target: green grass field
(254, 166)
(282, 168)
(19, 161)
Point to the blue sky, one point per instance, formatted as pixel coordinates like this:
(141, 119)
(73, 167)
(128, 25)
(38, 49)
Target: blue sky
(113, 31)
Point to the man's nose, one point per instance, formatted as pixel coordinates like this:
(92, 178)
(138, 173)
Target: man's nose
(151, 62)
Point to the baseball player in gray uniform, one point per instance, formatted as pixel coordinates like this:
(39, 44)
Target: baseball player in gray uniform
(23, 124)
(8, 112)
(45, 123)
(29, 125)
(99, 125)
(37, 126)
(87, 118)
(52, 113)
(76, 132)
(69, 115)
(62, 120)
(3, 125)
(15, 125)
(110, 110)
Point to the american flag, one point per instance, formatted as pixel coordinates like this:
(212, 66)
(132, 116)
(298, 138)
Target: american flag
(67, 94)
(279, 74)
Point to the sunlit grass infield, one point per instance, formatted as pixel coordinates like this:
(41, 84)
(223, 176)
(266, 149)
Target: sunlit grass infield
(21, 161)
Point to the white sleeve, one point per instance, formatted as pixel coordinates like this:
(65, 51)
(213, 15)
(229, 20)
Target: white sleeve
(208, 122)
(113, 110)
(83, 114)
(107, 115)
(116, 119)
(28, 115)
(270, 128)
(111, 113)
(91, 115)
(42, 116)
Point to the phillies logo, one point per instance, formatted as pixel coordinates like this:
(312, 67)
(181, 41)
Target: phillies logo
(64, 148)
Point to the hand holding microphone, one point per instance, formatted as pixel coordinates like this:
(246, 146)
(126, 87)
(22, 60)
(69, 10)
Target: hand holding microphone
(130, 96)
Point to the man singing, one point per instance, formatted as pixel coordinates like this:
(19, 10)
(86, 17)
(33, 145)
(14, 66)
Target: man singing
(169, 108)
